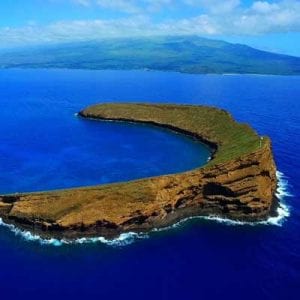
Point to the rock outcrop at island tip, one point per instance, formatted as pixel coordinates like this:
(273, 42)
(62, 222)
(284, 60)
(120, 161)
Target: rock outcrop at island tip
(238, 183)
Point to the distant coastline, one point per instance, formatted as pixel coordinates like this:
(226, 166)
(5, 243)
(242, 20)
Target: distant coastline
(150, 71)
(184, 54)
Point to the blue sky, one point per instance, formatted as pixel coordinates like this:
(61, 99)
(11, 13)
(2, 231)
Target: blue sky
(271, 25)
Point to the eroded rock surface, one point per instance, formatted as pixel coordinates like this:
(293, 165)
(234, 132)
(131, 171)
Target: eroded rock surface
(238, 183)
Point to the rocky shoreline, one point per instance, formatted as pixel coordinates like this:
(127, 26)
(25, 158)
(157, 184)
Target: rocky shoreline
(238, 183)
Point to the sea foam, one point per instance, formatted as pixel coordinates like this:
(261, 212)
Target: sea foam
(283, 210)
(124, 239)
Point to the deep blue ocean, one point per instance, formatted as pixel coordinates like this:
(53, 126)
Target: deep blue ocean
(44, 145)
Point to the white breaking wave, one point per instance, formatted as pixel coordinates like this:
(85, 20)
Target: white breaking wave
(123, 240)
(283, 212)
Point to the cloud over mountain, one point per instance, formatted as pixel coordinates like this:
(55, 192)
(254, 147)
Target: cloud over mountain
(144, 17)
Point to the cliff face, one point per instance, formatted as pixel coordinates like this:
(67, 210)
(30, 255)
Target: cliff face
(240, 188)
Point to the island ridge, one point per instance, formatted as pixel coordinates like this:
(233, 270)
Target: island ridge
(239, 182)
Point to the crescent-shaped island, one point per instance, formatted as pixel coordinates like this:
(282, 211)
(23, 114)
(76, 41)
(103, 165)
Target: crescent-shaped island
(239, 182)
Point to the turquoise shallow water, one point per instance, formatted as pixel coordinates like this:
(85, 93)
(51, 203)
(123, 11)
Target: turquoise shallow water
(197, 260)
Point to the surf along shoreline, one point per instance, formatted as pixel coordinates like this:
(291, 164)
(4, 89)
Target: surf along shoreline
(238, 183)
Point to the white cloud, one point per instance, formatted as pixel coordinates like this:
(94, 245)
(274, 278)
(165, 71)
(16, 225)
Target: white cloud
(265, 17)
(226, 17)
(215, 6)
(264, 7)
(82, 2)
(127, 6)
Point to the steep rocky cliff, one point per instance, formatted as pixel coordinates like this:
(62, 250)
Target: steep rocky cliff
(238, 183)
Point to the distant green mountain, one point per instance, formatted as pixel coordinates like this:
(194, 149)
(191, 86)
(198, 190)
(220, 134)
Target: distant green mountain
(187, 54)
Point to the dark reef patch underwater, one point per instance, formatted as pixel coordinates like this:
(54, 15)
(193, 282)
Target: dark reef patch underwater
(203, 259)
